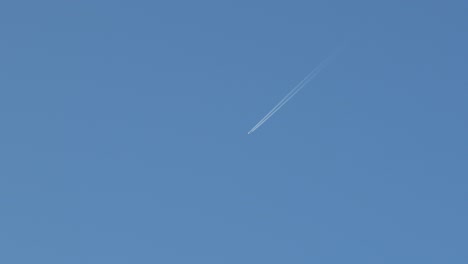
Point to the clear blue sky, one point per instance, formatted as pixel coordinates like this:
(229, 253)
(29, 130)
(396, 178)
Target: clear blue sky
(124, 124)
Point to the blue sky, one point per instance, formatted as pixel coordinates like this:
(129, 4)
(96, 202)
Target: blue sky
(124, 132)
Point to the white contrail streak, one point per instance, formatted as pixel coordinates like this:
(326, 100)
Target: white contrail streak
(285, 98)
(295, 90)
(279, 105)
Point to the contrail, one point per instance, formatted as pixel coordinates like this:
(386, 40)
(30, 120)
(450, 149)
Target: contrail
(289, 95)
(285, 99)
(296, 89)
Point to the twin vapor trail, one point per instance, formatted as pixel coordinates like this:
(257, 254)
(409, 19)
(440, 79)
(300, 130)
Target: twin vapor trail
(296, 89)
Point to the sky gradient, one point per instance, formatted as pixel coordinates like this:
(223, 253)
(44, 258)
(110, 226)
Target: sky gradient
(124, 125)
